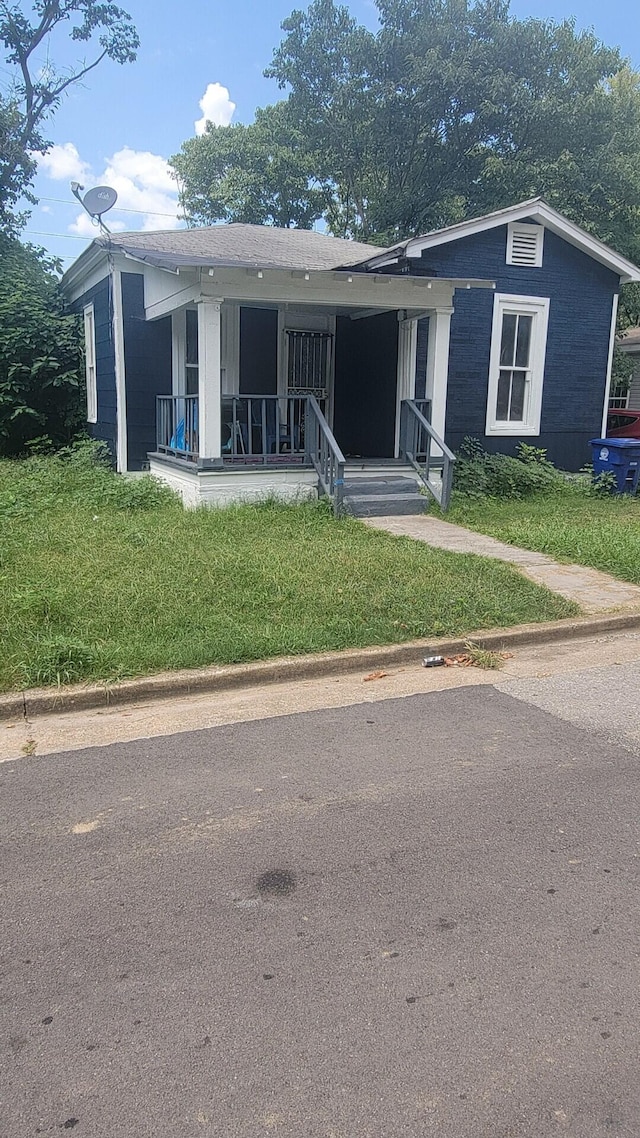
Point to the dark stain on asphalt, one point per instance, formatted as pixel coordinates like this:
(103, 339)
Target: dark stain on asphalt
(267, 975)
(276, 883)
(69, 1124)
(411, 999)
(595, 931)
(550, 890)
(446, 925)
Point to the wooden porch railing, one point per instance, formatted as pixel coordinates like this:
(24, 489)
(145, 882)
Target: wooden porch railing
(417, 439)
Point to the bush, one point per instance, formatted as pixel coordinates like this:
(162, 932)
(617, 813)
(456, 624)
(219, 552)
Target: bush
(479, 474)
(41, 383)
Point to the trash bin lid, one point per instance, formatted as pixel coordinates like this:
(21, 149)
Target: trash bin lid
(615, 443)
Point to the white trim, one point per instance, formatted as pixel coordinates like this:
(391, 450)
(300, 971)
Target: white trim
(406, 374)
(209, 393)
(178, 350)
(538, 307)
(519, 256)
(437, 376)
(120, 371)
(230, 348)
(536, 209)
(612, 341)
(89, 317)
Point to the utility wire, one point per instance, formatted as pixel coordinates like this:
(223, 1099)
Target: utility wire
(117, 208)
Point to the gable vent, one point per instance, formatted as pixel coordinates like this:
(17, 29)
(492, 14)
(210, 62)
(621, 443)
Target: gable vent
(524, 245)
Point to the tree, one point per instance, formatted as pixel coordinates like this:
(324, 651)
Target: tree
(261, 174)
(37, 88)
(455, 108)
(40, 352)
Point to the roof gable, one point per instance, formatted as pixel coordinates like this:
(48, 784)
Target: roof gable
(535, 209)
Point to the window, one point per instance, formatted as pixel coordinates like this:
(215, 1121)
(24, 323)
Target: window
(524, 245)
(619, 396)
(90, 363)
(191, 353)
(516, 368)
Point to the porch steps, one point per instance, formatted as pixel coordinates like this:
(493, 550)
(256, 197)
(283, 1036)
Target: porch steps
(379, 490)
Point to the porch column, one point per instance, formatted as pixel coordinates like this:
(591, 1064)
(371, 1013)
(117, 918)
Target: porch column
(438, 366)
(406, 382)
(209, 381)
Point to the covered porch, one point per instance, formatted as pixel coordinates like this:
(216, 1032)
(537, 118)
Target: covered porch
(286, 377)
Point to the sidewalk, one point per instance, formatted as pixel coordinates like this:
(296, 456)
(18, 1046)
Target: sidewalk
(594, 591)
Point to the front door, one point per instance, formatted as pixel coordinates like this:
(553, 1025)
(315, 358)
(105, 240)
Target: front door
(364, 421)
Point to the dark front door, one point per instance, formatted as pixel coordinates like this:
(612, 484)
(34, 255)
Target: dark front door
(364, 418)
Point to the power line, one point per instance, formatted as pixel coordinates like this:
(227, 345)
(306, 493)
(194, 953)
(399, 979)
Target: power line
(44, 233)
(117, 208)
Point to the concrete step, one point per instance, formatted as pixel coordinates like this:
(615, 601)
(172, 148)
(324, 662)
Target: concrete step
(390, 496)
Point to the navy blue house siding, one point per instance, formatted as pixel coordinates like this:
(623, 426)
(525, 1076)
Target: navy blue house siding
(106, 427)
(147, 360)
(581, 293)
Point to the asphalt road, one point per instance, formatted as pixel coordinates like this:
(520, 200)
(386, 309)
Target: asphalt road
(413, 917)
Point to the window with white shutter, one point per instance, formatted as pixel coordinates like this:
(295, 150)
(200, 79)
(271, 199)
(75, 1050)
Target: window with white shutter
(524, 245)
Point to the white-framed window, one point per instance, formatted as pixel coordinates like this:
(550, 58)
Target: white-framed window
(90, 362)
(516, 366)
(525, 245)
(619, 397)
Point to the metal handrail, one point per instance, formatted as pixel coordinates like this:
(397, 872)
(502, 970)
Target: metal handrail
(416, 439)
(325, 454)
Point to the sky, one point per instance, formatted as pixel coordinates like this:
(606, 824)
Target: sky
(198, 60)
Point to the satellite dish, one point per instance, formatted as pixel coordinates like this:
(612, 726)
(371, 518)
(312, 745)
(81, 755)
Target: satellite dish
(98, 200)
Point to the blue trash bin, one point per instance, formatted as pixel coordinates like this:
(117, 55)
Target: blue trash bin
(622, 458)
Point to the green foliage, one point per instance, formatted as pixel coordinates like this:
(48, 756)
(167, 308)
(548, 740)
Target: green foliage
(451, 109)
(37, 88)
(574, 525)
(40, 354)
(103, 576)
(621, 371)
(479, 474)
(260, 174)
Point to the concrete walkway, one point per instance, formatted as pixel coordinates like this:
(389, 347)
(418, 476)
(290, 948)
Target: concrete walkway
(594, 591)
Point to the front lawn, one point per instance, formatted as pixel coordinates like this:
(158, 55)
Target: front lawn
(103, 577)
(567, 523)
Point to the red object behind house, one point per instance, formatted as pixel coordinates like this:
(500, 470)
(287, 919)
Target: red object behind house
(623, 424)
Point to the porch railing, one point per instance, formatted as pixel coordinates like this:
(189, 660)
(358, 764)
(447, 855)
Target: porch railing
(263, 428)
(417, 442)
(325, 454)
(177, 426)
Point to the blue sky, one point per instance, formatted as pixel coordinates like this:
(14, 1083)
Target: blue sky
(123, 124)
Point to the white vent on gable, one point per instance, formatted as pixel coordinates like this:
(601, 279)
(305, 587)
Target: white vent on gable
(524, 245)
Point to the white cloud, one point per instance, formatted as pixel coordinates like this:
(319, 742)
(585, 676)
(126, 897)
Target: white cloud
(64, 164)
(141, 179)
(216, 107)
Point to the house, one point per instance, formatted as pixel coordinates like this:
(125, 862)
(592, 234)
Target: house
(239, 361)
(629, 343)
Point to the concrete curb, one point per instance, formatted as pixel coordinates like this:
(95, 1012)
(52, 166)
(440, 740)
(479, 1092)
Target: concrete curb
(167, 685)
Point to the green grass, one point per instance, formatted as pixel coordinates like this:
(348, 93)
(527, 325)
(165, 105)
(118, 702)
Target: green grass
(102, 577)
(568, 524)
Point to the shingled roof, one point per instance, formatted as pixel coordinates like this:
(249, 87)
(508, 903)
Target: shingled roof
(250, 246)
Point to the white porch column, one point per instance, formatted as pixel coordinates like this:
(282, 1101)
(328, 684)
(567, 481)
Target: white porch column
(209, 381)
(438, 366)
(406, 382)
